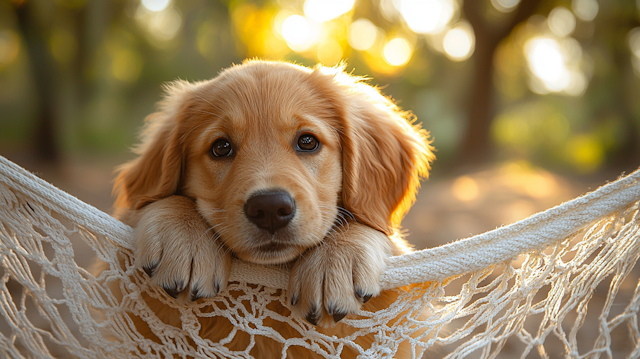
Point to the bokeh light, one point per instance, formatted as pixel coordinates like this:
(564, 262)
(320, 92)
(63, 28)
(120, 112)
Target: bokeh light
(279, 19)
(505, 5)
(465, 189)
(561, 21)
(427, 16)
(329, 52)
(63, 45)
(521, 177)
(547, 63)
(300, 33)
(162, 25)
(633, 39)
(362, 34)
(586, 10)
(397, 51)
(325, 10)
(155, 5)
(9, 47)
(556, 65)
(585, 152)
(459, 42)
(126, 65)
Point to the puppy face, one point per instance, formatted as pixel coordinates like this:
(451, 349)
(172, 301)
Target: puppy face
(271, 152)
(264, 162)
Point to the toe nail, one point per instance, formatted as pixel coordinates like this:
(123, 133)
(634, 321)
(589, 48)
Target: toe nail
(195, 294)
(180, 285)
(294, 299)
(338, 316)
(216, 286)
(150, 269)
(363, 297)
(313, 317)
(172, 292)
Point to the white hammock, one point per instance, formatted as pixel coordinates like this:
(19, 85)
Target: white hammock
(522, 287)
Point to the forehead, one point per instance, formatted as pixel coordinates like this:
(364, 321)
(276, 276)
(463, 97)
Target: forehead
(261, 99)
(261, 93)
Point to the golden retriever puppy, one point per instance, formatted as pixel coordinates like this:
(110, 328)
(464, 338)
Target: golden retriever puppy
(274, 163)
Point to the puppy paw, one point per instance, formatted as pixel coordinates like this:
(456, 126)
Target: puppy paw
(335, 278)
(178, 250)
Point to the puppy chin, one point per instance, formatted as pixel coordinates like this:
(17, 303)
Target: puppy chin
(270, 254)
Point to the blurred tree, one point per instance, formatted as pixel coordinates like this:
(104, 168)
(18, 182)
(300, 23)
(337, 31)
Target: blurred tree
(477, 145)
(43, 69)
(620, 95)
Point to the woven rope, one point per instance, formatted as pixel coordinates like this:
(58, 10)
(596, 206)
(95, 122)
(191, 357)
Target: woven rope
(34, 213)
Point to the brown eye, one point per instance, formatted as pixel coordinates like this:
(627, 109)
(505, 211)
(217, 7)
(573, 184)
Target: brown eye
(308, 143)
(222, 148)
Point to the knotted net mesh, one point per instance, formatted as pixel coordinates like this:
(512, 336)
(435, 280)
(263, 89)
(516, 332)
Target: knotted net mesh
(558, 284)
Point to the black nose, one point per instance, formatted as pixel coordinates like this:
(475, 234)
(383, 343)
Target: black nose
(270, 211)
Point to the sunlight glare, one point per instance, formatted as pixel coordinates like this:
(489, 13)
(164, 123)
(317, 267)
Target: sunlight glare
(397, 52)
(325, 10)
(155, 5)
(427, 16)
(561, 21)
(459, 42)
(585, 9)
(505, 5)
(556, 64)
(279, 19)
(362, 34)
(547, 62)
(299, 33)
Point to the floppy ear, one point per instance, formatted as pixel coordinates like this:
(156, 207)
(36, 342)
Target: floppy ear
(384, 155)
(156, 173)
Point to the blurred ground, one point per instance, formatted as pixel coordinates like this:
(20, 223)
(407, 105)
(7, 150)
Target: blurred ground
(457, 205)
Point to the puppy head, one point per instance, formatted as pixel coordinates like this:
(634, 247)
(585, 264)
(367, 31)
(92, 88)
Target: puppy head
(271, 151)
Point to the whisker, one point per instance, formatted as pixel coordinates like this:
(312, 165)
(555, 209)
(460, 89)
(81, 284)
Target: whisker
(346, 212)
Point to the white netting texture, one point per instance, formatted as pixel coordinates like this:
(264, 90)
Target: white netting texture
(558, 284)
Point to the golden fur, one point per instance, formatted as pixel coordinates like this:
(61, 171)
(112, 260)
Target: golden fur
(186, 205)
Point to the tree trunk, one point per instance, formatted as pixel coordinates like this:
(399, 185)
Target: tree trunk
(43, 139)
(477, 146)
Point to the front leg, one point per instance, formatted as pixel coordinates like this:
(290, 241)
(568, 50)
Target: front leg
(177, 248)
(340, 274)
